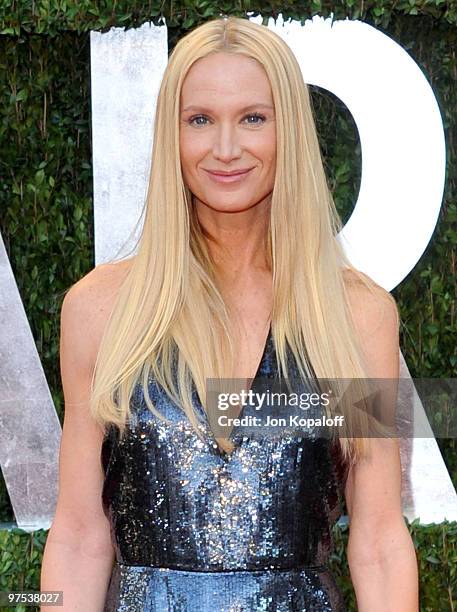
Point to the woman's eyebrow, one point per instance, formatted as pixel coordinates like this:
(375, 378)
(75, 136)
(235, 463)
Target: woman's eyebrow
(242, 110)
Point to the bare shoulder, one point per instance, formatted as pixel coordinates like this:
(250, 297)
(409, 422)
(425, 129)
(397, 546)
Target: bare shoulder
(88, 303)
(102, 282)
(80, 520)
(372, 307)
(376, 322)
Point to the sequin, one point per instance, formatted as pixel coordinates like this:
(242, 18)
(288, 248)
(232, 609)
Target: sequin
(196, 529)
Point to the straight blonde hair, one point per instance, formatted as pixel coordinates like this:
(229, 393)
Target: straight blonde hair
(170, 298)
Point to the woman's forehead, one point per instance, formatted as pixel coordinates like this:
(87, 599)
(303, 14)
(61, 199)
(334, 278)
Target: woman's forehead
(236, 76)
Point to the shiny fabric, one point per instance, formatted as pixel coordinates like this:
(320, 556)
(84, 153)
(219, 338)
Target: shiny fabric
(196, 529)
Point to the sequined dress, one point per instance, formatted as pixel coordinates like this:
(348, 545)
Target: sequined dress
(198, 530)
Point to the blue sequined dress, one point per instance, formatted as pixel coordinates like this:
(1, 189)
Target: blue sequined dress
(198, 530)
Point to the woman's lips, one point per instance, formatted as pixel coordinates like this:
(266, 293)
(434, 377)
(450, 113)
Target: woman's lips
(228, 178)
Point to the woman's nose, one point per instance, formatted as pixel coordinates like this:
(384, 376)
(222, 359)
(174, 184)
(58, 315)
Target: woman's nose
(226, 145)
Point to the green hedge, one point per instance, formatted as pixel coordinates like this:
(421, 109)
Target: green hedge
(46, 216)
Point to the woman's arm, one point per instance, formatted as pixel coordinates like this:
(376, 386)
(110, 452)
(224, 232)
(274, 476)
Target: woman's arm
(78, 556)
(381, 555)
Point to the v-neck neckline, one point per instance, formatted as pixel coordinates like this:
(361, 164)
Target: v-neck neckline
(264, 352)
(223, 455)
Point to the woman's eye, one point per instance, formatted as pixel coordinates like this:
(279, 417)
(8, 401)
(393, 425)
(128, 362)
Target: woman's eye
(199, 120)
(192, 119)
(256, 116)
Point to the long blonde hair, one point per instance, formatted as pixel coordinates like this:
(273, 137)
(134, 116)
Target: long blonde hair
(170, 297)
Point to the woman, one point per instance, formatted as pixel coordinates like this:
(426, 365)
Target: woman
(238, 275)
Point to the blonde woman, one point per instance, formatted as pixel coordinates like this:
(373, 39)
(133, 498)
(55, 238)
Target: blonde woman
(238, 275)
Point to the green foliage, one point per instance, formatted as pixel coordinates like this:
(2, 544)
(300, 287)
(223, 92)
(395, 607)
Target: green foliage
(46, 218)
(46, 200)
(437, 565)
(52, 17)
(20, 563)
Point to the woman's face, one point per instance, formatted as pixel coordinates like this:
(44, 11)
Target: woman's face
(227, 123)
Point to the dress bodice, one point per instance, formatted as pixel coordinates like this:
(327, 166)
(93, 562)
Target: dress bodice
(177, 502)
